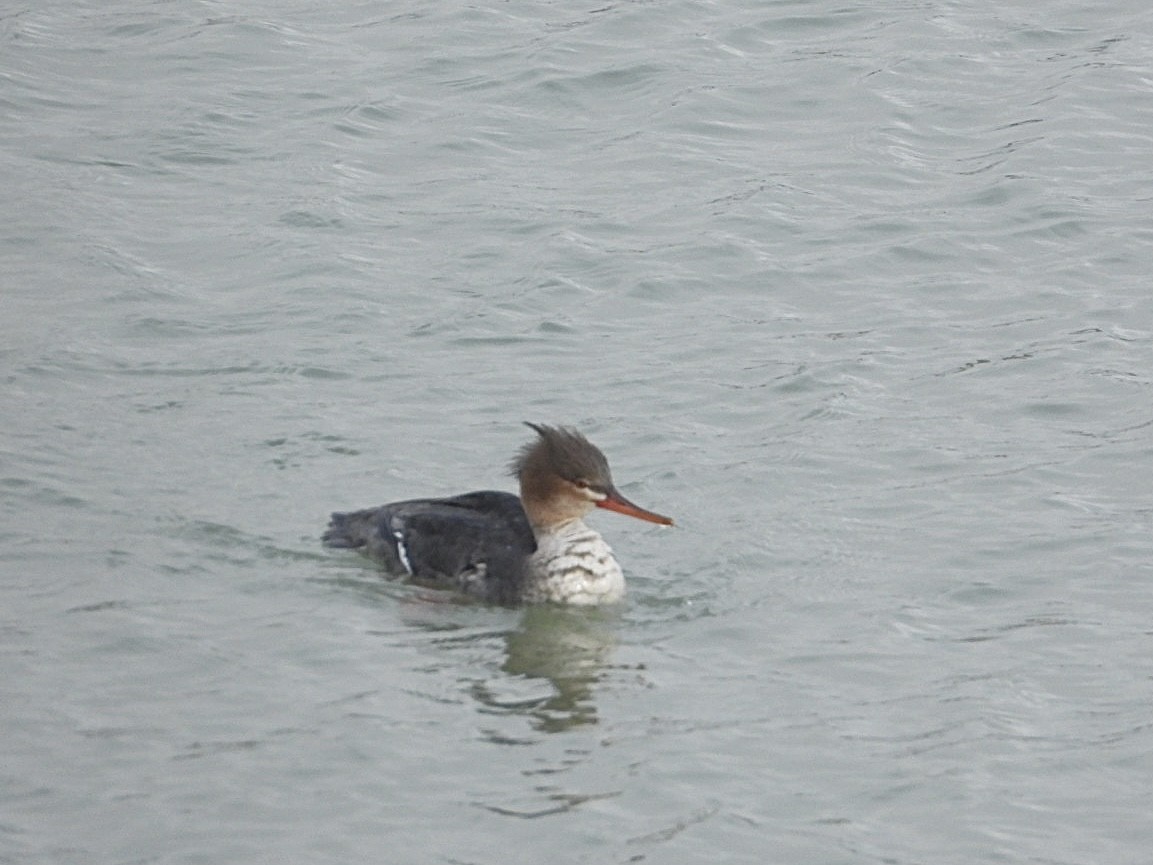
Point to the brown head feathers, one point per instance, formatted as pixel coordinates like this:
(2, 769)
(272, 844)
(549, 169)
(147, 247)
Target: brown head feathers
(564, 452)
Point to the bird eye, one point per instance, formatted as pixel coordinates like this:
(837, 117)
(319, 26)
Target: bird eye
(583, 484)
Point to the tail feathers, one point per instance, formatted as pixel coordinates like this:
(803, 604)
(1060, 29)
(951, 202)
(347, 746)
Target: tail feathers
(341, 534)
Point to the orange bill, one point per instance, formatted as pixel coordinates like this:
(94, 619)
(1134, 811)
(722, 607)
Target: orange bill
(616, 502)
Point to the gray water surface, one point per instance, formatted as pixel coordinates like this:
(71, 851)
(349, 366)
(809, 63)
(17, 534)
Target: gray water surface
(859, 294)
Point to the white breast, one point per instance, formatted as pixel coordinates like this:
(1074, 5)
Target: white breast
(574, 565)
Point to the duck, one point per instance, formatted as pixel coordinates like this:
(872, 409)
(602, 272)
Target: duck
(501, 548)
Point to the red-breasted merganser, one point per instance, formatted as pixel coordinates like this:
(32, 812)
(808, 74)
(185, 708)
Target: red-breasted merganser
(502, 549)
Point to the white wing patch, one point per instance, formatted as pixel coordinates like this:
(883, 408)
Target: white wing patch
(402, 551)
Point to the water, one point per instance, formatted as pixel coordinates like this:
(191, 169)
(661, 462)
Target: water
(857, 293)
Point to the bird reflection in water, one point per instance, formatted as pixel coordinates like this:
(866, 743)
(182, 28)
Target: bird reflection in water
(554, 659)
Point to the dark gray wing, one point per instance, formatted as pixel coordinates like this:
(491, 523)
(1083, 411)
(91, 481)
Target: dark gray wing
(478, 543)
